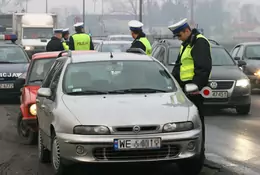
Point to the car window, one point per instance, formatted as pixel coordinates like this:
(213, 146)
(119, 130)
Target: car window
(252, 52)
(13, 55)
(159, 53)
(220, 57)
(115, 47)
(116, 75)
(49, 76)
(56, 76)
(240, 52)
(39, 70)
(34, 33)
(234, 52)
(173, 54)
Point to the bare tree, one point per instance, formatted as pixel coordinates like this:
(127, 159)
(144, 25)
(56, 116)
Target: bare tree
(129, 7)
(3, 4)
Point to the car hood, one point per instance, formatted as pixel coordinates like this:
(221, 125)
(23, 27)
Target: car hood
(226, 73)
(35, 42)
(111, 110)
(13, 68)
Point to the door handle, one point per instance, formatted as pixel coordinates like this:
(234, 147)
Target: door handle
(37, 101)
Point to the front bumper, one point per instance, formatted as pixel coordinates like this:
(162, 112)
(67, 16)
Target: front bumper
(237, 96)
(99, 149)
(9, 93)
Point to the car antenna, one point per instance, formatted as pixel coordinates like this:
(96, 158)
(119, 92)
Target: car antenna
(111, 55)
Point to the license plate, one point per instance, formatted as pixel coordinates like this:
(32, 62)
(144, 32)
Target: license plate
(7, 86)
(128, 144)
(219, 94)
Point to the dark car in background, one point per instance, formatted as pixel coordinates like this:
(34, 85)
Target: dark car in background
(230, 86)
(250, 53)
(14, 63)
(113, 46)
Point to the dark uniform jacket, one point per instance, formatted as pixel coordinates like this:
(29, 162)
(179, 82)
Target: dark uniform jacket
(54, 44)
(138, 44)
(202, 61)
(72, 46)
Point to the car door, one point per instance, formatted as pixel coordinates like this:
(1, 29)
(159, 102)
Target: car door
(240, 53)
(234, 51)
(50, 102)
(40, 100)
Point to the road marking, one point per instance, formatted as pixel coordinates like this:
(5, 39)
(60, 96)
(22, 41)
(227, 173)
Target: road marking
(237, 168)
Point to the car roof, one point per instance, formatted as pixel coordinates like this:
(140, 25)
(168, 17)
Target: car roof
(97, 40)
(177, 43)
(105, 56)
(9, 44)
(249, 43)
(116, 42)
(55, 54)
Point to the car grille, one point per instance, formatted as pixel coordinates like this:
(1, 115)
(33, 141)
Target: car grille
(222, 84)
(11, 79)
(109, 153)
(129, 129)
(39, 47)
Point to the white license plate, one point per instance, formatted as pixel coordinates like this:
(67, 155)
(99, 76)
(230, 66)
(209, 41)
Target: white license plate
(128, 144)
(219, 94)
(7, 86)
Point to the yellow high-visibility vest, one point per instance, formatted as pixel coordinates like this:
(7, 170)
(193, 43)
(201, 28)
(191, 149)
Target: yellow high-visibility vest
(146, 43)
(81, 41)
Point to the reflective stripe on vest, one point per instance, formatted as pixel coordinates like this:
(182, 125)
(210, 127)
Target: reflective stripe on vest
(65, 46)
(146, 43)
(81, 41)
(187, 63)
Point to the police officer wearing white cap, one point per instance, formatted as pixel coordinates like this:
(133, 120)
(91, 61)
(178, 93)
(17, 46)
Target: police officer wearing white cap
(140, 40)
(80, 40)
(193, 65)
(65, 36)
(55, 44)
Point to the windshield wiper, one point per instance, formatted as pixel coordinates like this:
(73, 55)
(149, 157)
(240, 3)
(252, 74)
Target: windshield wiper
(6, 62)
(137, 90)
(87, 92)
(254, 58)
(32, 81)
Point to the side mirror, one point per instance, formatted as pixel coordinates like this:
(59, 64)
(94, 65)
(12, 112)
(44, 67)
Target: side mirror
(191, 88)
(172, 64)
(237, 58)
(44, 92)
(19, 82)
(241, 63)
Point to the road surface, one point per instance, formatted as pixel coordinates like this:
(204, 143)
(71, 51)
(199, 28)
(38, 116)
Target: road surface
(232, 141)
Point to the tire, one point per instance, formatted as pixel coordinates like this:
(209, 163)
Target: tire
(43, 153)
(192, 166)
(243, 110)
(27, 136)
(57, 163)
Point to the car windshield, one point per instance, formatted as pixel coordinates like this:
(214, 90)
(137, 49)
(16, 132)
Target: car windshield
(121, 39)
(12, 55)
(121, 47)
(117, 77)
(253, 52)
(35, 33)
(39, 70)
(220, 56)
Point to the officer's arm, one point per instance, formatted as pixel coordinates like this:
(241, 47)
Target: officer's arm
(71, 43)
(202, 62)
(61, 47)
(91, 44)
(138, 44)
(176, 70)
(47, 47)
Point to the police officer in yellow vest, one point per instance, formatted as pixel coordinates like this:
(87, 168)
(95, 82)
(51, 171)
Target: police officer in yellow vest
(65, 35)
(140, 40)
(80, 40)
(193, 64)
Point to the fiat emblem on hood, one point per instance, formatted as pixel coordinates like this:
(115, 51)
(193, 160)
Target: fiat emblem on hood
(136, 129)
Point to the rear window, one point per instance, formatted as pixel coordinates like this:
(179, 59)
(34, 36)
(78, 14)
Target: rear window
(253, 51)
(39, 69)
(13, 55)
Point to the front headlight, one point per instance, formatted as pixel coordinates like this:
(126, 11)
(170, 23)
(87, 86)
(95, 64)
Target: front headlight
(32, 109)
(178, 127)
(257, 73)
(91, 130)
(28, 48)
(242, 83)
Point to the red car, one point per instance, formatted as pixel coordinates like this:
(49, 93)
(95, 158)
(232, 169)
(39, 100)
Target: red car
(30, 82)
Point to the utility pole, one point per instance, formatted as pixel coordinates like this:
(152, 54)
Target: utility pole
(84, 15)
(46, 6)
(140, 10)
(26, 6)
(192, 13)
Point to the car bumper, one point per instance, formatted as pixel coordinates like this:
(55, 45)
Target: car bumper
(100, 149)
(9, 93)
(237, 96)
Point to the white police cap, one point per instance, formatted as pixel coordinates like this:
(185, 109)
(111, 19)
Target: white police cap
(79, 24)
(135, 25)
(66, 30)
(179, 26)
(57, 30)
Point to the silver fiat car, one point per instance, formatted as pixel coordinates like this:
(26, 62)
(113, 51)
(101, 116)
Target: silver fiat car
(115, 108)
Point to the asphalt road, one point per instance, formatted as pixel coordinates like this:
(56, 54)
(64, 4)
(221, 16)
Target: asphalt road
(232, 142)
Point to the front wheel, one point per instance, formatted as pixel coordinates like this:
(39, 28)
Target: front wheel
(27, 135)
(243, 110)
